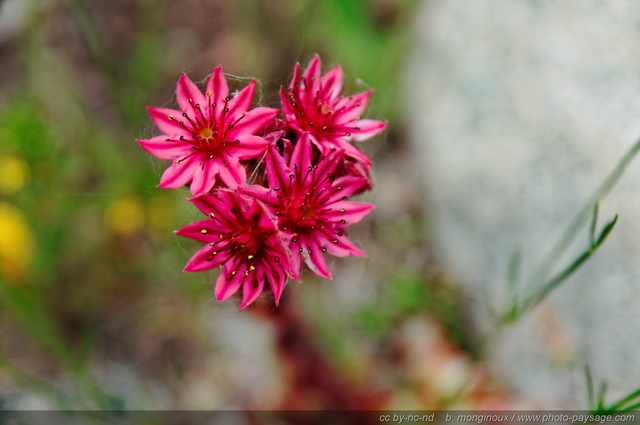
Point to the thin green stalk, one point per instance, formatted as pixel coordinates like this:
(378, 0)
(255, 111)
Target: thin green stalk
(538, 280)
(519, 309)
(620, 406)
(625, 400)
(540, 294)
(590, 392)
(582, 217)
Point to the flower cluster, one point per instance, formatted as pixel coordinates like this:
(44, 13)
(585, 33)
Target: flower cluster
(275, 188)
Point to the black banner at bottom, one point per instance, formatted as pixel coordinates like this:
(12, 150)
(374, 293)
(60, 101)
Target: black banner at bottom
(304, 417)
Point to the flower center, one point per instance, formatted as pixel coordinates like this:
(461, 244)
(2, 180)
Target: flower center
(301, 213)
(325, 109)
(206, 133)
(307, 211)
(209, 139)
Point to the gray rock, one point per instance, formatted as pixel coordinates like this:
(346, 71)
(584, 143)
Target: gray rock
(518, 112)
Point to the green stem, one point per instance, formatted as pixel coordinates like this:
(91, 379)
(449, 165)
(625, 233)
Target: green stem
(518, 310)
(583, 216)
(625, 400)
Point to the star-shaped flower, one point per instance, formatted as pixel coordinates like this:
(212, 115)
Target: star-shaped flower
(242, 239)
(314, 104)
(209, 136)
(311, 203)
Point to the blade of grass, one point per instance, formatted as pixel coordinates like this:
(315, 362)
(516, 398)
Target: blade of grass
(581, 218)
(594, 222)
(518, 310)
(616, 406)
(601, 393)
(590, 392)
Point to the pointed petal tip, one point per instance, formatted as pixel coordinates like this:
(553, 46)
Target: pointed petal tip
(295, 275)
(325, 275)
(244, 304)
(221, 295)
(188, 268)
(358, 253)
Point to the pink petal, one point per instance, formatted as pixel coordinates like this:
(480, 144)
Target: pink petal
(277, 171)
(329, 162)
(164, 148)
(238, 205)
(258, 192)
(332, 83)
(288, 264)
(242, 101)
(179, 173)
(277, 280)
(231, 173)
(206, 258)
(194, 231)
(287, 109)
(168, 121)
(360, 169)
(217, 91)
(208, 204)
(188, 94)
(354, 152)
(365, 129)
(267, 217)
(296, 77)
(252, 122)
(321, 144)
(247, 146)
(311, 77)
(349, 211)
(228, 283)
(302, 153)
(295, 259)
(204, 178)
(347, 186)
(279, 254)
(353, 108)
(251, 288)
(340, 246)
(314, 258)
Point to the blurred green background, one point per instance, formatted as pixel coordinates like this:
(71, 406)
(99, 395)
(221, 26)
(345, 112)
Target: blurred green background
(95, 309)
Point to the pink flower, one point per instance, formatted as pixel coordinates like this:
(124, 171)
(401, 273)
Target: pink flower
(242, 239)
(311, 203)
(313, 104)
(209, 136)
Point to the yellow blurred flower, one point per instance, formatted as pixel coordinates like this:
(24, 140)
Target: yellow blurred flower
(125, 216)
(13, 173)
(16, 243)
(161, 214)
